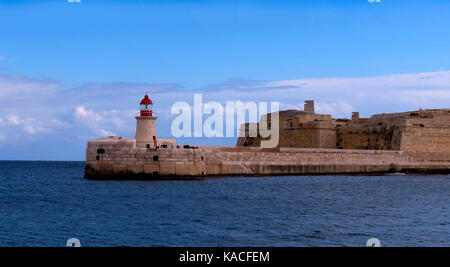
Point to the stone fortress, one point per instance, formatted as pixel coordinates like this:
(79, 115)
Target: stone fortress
(417, 131)
(309, 143)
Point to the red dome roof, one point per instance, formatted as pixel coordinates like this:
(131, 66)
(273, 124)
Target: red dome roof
(146, 101)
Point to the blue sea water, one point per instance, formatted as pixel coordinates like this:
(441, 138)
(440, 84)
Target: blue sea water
(46, 203)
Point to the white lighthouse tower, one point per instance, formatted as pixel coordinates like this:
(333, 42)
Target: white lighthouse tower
(145, 127)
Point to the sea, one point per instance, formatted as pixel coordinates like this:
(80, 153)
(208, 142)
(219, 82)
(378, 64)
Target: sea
(48, 203)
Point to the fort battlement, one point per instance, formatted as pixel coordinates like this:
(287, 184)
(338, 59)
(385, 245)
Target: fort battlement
(310, 143)
(415, 131)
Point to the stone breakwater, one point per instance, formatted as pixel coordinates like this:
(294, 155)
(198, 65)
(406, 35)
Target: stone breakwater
(118, 158)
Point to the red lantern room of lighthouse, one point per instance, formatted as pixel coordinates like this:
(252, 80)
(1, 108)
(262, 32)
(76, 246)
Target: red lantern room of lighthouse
(146, 107)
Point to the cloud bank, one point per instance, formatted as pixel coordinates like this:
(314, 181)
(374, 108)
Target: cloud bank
(42, 112)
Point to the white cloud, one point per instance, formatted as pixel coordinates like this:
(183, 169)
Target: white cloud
(29, 125)
(1, 122)
(369, 95)
(93, 120)
(20, 88)
(13, 119)
(415, 80)
(61, 123)
(33, 126)
(103, 132)
(406, 88)
(87, 115)
(29, 129)
(338, 109)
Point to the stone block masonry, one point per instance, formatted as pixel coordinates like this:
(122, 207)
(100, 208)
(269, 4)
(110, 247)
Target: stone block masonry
(111, 158)
(414, 131)
(309, 144)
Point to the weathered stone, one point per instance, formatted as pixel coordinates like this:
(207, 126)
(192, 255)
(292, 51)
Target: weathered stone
(421, 141)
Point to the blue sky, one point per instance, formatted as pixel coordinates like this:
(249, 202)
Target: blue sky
(70, 72)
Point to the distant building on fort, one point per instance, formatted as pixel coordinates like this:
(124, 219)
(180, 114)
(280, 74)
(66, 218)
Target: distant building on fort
(416, 131)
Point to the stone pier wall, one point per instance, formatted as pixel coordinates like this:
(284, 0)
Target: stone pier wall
(120, 159)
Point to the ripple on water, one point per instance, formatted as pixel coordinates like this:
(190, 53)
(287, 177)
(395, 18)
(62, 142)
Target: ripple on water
(46, 203)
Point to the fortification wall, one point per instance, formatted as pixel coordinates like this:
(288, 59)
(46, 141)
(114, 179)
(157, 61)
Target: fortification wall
(426, 132)
(415, 131)
(327, 135)
(120, 160)
(311, 134)
(307, 137)
(372, 139)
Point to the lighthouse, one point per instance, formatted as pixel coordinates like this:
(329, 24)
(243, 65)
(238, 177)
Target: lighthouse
(145, 127)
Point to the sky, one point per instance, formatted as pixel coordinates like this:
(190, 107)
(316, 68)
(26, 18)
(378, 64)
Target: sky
(75, 71)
